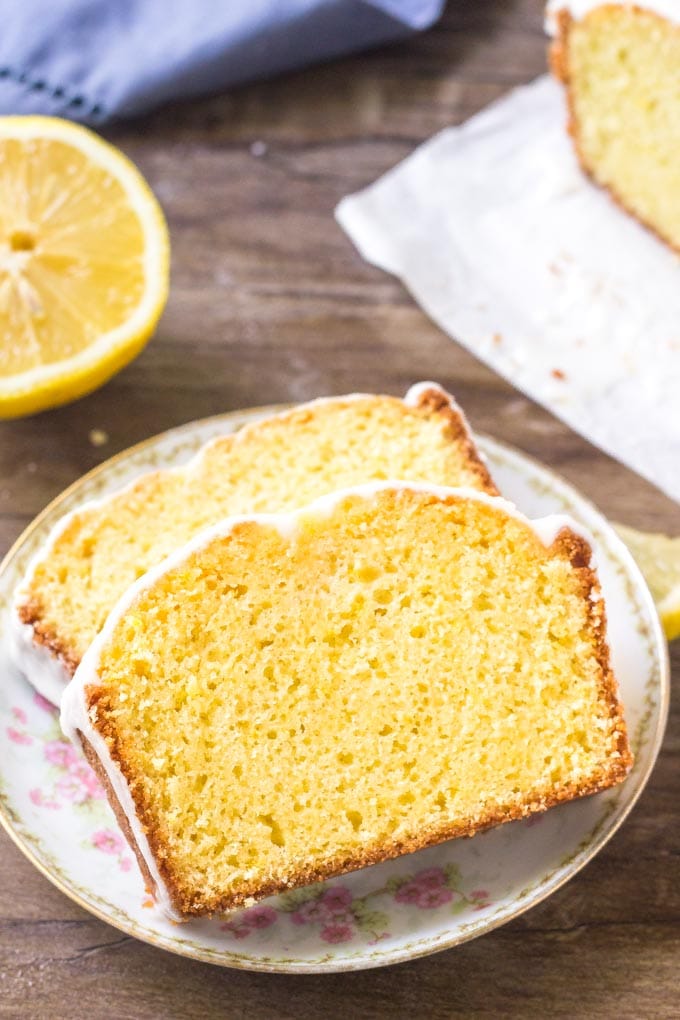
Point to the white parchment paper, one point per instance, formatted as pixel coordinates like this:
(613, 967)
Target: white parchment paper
(515, 254)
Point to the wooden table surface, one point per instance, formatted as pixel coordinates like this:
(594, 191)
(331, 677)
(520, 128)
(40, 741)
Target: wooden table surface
(270, 303)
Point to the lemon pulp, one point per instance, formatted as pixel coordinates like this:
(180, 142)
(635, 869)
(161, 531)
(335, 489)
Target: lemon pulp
(83, 262)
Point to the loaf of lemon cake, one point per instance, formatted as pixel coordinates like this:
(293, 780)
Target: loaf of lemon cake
(294, 696)
(620, 63)
(95, 553)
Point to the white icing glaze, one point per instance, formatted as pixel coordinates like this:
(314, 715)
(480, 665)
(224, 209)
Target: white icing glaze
(45, 671)
(414, 395)
(40, 665)
(75, 717)
(669, 9)
(80, 721)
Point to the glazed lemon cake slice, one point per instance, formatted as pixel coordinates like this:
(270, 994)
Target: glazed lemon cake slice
(279, 463)
(292, 697)
(620, 63)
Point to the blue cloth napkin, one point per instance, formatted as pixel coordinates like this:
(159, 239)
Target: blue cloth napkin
(93, 60)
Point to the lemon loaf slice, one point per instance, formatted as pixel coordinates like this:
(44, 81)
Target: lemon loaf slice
(292, 697)
(280, 463)
(620, 63)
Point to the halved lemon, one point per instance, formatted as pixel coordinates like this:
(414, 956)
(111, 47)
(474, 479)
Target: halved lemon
(658, 557)
(84, 259)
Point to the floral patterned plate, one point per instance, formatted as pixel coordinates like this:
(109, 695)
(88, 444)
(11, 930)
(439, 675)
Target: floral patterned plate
(54, 809)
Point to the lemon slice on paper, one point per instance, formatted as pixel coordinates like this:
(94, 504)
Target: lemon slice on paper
(84, 260)
(658, 557)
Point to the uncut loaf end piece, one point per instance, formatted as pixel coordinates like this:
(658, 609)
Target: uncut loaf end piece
(620, 65)
(295, 696)
(279, 463)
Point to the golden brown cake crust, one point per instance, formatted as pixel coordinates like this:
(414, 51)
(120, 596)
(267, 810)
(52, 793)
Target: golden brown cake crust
(558, 58)
(575, 548)
(432, 401)
(122, 819)
(435, 401)
(32, 613)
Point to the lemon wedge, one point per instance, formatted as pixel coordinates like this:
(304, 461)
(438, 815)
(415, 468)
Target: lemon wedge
(658, 557)
(84, 258)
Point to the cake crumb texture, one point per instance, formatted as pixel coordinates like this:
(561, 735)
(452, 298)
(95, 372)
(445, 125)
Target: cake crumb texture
(279, 463)
(289, 704)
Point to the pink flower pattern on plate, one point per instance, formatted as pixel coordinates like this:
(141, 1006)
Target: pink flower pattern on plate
(340, 917)
(248, 921)
(435, 887)
(37, 798)
(83, 774)
(307, 913)
(73, 786)
(427, 889)
(60, 752)
(109, 841)
(337, 899)
(336, 933)
(75, 783)
(18, 736)
(332, 911)
(261, 917)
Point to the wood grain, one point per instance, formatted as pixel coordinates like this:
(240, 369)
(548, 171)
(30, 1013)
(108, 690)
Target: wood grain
(271, 303)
